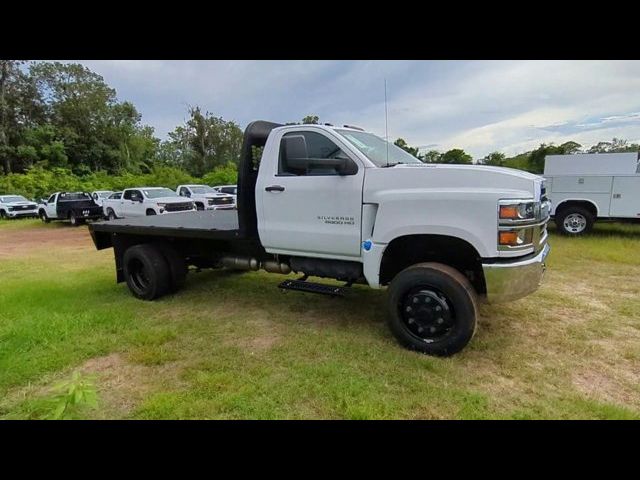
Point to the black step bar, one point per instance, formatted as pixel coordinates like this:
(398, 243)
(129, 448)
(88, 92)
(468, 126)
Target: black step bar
(311, 287)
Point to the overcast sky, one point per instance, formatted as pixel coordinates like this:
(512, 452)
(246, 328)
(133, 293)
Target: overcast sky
(480, 106)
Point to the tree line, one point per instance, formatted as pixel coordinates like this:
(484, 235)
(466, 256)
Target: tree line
(531, 161)
(61, 122)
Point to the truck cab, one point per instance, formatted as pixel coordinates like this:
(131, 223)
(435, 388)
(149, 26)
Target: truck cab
(342, 203)
(207, 198)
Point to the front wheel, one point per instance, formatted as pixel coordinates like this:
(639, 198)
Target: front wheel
(432, 309)
(43, 216)
(574, 221)
(111, 215)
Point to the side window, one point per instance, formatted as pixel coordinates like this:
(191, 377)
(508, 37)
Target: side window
(306, 145)
(133, 195)
(52, 198)
(127, 195)
(184, 192)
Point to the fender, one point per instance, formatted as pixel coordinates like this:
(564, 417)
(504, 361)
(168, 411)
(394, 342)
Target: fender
(585, 200)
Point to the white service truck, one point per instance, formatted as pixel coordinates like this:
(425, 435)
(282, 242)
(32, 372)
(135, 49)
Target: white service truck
(206, 198)
(584, 188)
(146, 201)
(342, 203)
(16, 206)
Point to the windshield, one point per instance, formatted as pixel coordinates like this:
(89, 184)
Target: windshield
(202, 189)
(159, 192)
(375, 148)
(17, 198)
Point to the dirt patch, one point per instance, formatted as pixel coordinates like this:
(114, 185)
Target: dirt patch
(601, 384)
(22, 242)
(122, 385)
(263, 335)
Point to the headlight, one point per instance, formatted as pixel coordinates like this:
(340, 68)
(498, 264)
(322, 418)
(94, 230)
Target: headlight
(515, 238)
(517, 211)
(162, 205)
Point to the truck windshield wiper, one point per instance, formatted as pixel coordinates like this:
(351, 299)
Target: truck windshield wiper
(388, 165)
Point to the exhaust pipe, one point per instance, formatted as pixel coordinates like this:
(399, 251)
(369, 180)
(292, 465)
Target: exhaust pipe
(249, 263)
(240, 263)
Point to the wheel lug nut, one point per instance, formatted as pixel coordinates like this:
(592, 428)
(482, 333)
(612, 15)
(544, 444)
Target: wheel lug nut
(440, 321)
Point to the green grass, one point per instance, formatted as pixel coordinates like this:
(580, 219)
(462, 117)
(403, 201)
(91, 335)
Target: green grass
(234, 346)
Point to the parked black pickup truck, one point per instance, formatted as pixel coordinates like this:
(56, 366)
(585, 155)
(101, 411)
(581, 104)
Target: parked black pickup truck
(77, 207)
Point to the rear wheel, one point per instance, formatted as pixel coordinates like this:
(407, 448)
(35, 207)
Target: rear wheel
(574, 221)
(177, 266)
(75, 221)
(432, 309)
(146, 271)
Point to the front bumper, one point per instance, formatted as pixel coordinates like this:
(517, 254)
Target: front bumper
(508, 280)
(23, 213)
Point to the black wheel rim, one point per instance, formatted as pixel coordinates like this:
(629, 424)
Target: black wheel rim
(138, 275)
(427, 314)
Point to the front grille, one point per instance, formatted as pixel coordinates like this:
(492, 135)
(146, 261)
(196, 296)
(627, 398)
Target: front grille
(178, 207)
(221, 201)
(24, 207)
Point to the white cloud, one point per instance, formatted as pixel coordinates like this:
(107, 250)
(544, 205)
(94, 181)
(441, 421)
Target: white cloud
(480, 106)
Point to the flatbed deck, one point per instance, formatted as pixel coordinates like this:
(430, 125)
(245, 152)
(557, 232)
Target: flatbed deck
(218, 224)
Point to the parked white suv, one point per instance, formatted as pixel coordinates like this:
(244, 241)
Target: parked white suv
(13, 206)
(141, 201)
(206, 198)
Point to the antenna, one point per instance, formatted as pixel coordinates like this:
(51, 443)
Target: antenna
(386, 120)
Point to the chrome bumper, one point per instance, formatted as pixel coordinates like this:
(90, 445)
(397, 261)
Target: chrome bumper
(513, 279)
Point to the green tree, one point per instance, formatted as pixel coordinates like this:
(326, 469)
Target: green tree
(400, 142)
(432, 156)
(20, 108)
(456, 155)
(616, 145)
(311, 120)
(204, 142)
(496, 159)
(98, 131)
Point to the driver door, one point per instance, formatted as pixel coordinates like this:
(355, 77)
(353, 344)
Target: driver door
(314, 211)
(50, 208)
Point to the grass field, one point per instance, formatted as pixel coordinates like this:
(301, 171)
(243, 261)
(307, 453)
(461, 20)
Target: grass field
(234, 346)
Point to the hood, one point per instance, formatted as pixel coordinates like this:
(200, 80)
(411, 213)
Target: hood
(217, 195)
(170, 200)
(506, 181)
(19, 204)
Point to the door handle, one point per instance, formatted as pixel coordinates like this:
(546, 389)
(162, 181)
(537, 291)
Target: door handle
(274, 188)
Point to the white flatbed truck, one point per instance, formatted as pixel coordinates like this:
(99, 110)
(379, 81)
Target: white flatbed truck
(338, 202)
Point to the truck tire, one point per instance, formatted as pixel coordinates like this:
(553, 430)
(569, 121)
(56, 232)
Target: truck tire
(75, 221)
(146, 271)
(432, 309)
(111, 215)
(177, 266)
(199, 206)
(3, 215)
(574, 221)
(43, 216)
